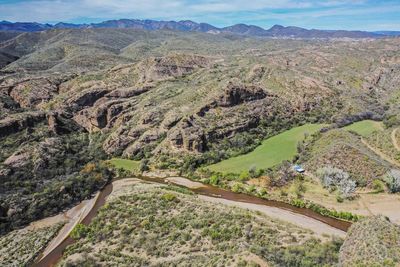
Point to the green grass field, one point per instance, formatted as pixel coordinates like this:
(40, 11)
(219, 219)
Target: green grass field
(365, 128)
(271, 152)
(125, 164)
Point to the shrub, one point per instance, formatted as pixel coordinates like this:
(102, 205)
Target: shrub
(237, 187)
(214, 179)
(144, 165)
(333, 178)
(253, 171)
(80, 231)
(393, 180)
(283, 175)
(347, 188)
(251, 189)
(169, 197)
(244, 176)
(88, 168)
(378, 186)
(299, 189)
(263, 192)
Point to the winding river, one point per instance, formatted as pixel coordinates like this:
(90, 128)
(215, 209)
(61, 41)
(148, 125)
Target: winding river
(53, 256)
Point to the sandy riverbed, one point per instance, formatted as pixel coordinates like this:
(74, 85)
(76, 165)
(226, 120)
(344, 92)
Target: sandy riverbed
(73, 217)
(184, 182)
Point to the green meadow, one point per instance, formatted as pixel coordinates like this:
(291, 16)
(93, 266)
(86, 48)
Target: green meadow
(125, 164)
(271, 152)
(365, 127)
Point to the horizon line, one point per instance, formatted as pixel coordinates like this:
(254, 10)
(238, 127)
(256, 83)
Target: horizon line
(189, 20)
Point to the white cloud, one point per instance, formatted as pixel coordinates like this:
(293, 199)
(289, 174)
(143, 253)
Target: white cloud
(47, 10)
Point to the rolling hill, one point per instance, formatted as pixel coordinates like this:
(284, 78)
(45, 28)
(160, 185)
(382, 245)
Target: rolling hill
(187, 25)
(71, 99)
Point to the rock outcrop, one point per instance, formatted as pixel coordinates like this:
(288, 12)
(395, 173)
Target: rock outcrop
(19, 122)
(237, 94)
(161, 68)
(188, 136)
(33, 92)
(60, 123)
(128, 92)
(86, 98)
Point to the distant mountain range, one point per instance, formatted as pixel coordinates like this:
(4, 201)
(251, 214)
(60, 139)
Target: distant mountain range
(187, 25)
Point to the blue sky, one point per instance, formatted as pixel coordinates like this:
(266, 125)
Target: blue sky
(329, 14)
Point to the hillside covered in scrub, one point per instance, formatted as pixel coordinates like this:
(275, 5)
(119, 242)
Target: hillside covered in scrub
(372, 242)
(149, 225)
(81, 107)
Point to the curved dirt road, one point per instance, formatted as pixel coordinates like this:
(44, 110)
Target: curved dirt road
(302, 221)
(380, 153)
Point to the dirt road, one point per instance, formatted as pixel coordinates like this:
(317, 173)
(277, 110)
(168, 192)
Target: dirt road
(380, 153)
(284, 215)
(394, 139)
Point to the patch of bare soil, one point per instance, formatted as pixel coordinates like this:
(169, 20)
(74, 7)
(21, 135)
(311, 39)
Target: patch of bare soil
(367, 204)
(184, 182)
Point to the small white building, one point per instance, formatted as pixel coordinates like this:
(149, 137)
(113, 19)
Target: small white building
(298, 169)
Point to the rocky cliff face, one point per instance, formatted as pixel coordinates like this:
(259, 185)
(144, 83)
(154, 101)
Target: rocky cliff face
(184, 102)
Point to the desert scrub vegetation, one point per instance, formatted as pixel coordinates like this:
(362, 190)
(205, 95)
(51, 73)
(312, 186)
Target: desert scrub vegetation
(373, 241)
(342, 149)
(275, 183)
(20, 247)
(54, 173)
(334, 178)
(152, 225)
(393, 180)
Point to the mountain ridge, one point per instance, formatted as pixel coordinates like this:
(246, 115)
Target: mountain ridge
(188, 25)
